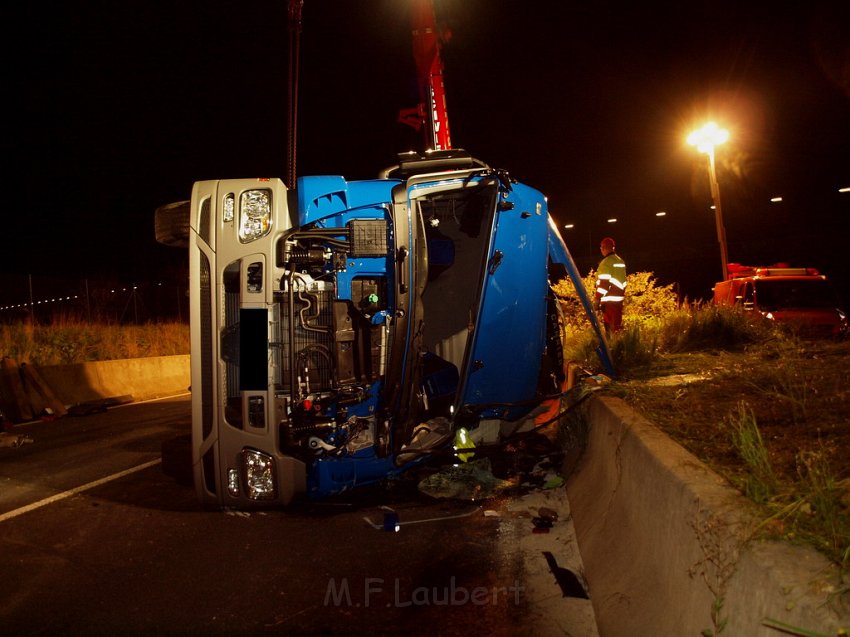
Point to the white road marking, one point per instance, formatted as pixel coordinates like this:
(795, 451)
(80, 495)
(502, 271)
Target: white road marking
(67, 494)
(438, 519)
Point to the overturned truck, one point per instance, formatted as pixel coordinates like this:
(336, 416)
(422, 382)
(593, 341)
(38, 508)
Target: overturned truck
(343, 332)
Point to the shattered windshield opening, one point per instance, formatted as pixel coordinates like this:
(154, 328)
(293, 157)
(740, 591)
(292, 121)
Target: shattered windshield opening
(457, 232)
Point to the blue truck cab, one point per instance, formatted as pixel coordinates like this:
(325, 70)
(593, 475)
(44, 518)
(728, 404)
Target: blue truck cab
(343, 332)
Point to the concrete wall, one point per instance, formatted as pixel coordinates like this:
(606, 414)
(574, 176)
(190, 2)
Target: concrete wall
(143, 378)
(663, 539)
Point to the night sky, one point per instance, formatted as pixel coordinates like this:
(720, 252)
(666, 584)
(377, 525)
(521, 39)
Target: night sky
(128, 103)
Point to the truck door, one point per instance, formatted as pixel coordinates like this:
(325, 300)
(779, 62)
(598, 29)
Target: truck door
(508, 341)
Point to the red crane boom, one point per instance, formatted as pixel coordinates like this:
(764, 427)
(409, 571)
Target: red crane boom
(427, 41)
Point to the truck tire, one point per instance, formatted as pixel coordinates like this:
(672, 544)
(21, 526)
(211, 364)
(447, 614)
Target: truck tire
(171, 223)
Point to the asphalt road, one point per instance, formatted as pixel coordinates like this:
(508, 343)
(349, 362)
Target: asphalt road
(96, 540)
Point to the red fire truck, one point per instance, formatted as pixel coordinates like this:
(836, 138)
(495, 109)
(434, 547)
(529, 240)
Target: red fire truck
(800, 298)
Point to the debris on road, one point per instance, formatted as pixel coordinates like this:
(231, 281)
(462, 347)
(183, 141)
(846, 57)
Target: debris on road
(468, 481)
(14, 440)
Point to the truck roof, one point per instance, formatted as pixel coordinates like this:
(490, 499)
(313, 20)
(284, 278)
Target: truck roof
(738, 271)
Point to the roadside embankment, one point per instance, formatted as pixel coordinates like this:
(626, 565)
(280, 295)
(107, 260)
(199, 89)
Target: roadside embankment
(669, 548)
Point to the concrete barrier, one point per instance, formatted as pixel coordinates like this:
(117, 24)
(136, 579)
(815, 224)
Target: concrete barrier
(143, 378)
(668, 546)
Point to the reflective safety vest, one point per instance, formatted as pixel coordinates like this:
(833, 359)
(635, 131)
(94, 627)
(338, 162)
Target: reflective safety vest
(611, 279)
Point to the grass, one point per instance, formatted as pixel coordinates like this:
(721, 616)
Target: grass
(73, 341)
(760, 483)
(783, 382)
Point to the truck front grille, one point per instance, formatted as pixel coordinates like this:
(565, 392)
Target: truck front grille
(307, 339)
(205, 311)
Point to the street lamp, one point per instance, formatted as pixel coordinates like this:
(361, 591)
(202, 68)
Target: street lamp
(705, 139)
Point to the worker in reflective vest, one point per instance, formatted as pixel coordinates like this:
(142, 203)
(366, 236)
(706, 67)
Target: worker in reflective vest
(611, 286)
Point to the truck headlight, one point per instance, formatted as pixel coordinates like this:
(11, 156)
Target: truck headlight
(255, 214)
(259, 475)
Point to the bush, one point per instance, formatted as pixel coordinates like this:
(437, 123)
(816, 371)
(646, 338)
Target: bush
(645, 307)
(646, 301)
(655, 323)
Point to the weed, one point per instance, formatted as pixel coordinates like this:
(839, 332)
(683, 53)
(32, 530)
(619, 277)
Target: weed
(790, 629)
(823, 496)
(782, 380)
(720, 553)
(580, 345)
(714, 327)
(634, 350)
(17, 339)
(760, 483)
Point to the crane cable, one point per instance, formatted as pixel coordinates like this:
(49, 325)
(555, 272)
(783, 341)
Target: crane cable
(295, 7)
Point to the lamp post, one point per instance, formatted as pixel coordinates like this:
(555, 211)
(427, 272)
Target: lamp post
(705, 139)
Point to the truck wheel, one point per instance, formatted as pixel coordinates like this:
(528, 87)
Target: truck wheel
(171, 223)
(177, 458)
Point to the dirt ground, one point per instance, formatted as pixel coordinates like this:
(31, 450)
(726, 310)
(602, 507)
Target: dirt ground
(798, 392)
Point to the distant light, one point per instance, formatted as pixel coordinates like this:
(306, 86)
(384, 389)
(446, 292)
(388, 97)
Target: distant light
(844, 189)
(712, 206)
(612, 220)
(569, 225)
(661, 214)
(776, 199)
